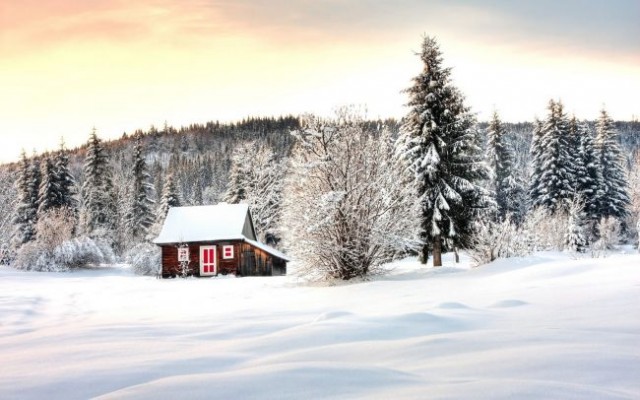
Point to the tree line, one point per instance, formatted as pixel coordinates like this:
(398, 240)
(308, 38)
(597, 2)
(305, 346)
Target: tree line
(345, 194)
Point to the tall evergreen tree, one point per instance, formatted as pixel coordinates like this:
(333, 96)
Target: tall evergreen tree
(139, 216)
(555, 186)
(99, 206)
(440, 145)
(35, 178)
(196, 194)
(26, 211)
(508, 190)
(169, 198)
(587, 171)
(536, 162)
(237, 184)
(66, 182)
(616, 200)
(49, 191)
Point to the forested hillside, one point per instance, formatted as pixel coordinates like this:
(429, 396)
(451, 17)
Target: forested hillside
(369, 191)
(199, 157)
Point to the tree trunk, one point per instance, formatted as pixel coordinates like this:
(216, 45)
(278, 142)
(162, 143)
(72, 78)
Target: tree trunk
(455, 251)
(437, 251)
(424, 254)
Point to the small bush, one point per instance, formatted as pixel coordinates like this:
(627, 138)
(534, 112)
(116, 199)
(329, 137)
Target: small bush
(6, 254)
(145, 259)
(494, 240)
(72, 253)
(609, 236)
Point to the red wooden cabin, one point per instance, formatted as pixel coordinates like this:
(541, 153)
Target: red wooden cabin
(212, 240)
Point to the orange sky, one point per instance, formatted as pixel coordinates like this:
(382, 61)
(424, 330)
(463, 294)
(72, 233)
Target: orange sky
(69, 65)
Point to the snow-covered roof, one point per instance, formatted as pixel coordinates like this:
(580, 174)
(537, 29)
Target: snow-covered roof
(204, 223)
(267, 249)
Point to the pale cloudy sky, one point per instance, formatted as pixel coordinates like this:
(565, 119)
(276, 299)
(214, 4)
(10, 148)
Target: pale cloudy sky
(119, 65)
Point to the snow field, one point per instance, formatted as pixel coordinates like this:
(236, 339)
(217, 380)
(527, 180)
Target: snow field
(547, 326)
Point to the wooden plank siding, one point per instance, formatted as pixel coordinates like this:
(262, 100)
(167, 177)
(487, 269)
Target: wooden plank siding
(247, 260)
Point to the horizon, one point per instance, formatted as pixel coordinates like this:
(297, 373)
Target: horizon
(69, 66)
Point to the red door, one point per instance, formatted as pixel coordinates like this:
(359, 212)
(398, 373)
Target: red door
(208, 265)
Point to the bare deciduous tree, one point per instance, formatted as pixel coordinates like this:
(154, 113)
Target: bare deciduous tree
(348, 208)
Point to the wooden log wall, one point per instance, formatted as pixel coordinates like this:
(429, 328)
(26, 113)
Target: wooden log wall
(247, 260)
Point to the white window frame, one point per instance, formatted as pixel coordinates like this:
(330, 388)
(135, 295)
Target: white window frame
(224, 252)
(183, 254)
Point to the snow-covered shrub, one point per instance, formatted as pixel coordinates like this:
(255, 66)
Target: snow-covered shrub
(540, 230)
(348, 207)
(546, 231)
(494, 240)
(55, 227)
(31, 256)
(81, 252)
(72, 253)
(6, 253)
(8, 198)
(145, 259)
(609, 236)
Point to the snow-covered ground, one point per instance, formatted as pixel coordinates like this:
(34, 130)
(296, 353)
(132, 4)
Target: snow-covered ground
(543, 327)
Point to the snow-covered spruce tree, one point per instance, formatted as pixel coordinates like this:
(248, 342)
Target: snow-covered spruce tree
(99, 213)
(349, 208)
(536, 162)
(587, 171)
(26, 204)
(260, 186)
(240, 163)
(576, 238)
(615, 200)
(168, 198)
(49, 191)
(66, 182)
(139, 216)
(35, 177)
(440, 146)
(555, 187)
(509, 191)
(196, 194)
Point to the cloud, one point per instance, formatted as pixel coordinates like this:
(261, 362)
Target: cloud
(33, 26)
(585, 26)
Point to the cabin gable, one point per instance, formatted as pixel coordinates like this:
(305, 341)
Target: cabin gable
(248, 230)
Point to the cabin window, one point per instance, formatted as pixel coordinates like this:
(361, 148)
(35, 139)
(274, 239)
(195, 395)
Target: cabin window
(183, 254)
(227, 252)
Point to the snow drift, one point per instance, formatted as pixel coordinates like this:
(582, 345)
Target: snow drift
(547, 326)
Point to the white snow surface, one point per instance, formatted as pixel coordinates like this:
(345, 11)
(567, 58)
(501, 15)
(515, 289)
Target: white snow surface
(547, 326)
(222, 221)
